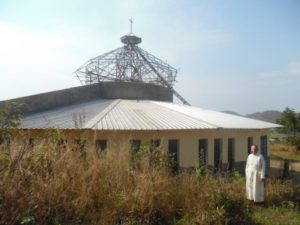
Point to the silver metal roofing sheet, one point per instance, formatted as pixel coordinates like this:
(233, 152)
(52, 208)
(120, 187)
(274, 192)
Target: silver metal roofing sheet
(67, 117)
(146, 115)
(120, 114)
(219, 119)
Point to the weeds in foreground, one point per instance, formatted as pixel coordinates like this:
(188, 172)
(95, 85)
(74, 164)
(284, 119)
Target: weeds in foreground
(51, 184)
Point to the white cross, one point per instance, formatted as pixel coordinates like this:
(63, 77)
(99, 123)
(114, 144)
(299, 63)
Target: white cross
(131, 22)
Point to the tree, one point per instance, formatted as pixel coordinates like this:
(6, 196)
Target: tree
(290, 121)
(10, 117)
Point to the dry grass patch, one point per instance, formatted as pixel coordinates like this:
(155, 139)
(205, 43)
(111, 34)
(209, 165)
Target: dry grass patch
(52, 185)
(284, 151)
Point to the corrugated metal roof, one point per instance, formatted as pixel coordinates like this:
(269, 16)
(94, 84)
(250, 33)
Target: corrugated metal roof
(146, 115)
(137, 115)
(68, 117)
(219, 119)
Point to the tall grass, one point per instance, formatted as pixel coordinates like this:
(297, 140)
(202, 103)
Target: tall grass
(284, 151)
(50, 184)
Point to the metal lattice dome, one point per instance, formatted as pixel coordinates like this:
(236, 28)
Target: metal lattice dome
(129, 63)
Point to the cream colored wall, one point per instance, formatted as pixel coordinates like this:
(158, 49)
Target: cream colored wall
(188, 141)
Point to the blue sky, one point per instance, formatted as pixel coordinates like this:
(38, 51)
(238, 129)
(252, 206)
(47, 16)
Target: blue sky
(231, 55)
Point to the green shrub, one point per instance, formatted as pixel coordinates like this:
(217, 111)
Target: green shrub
(293, 140)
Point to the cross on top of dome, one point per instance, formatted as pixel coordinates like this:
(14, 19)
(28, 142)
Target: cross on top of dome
(131, 39)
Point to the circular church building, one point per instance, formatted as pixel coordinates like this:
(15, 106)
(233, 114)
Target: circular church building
(126, 101)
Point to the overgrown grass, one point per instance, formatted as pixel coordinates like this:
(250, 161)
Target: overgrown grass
(276, 216)
(284, 151)
(50, 184)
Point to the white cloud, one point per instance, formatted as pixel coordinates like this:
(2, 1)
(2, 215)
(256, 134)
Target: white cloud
(29, 51)
(34, 61)
(291, 70)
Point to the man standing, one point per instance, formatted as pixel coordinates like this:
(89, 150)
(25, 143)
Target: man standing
(255, 175)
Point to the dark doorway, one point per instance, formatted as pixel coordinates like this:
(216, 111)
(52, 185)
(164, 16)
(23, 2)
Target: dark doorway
(101, 145)
(217, 154)
(202, 154)
(135, 145)
(264, 146)
(173, 151)
(249, 144)
(231, 153)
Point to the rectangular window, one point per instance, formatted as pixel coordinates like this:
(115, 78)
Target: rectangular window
(135, 145)
(62, 143)
(231, 153)
(101, 145)
(249, 144)
(173, 151)
(202, 151)
(154, 143)
(217, 153)
(79, 144)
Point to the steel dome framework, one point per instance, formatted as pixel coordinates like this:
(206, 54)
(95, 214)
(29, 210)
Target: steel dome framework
(129, 63)
(126, 64)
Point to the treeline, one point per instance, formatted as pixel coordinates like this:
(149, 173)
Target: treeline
(290, 121)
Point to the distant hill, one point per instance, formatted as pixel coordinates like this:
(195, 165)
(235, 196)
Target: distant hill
(268, 116)
(231, 112)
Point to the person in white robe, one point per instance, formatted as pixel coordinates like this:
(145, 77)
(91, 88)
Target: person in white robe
(255, 175)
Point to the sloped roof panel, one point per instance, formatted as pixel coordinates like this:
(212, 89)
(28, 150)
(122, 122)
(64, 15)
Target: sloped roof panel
(219, 119)
(103, 114)
(68, 117)
(145, 115)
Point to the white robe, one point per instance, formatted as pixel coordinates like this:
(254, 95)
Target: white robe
(255, 172)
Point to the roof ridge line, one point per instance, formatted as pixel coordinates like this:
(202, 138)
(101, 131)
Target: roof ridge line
(210, 124)
(91, 124)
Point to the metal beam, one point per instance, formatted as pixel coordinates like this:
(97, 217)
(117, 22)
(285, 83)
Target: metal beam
(162, 78)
